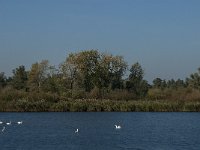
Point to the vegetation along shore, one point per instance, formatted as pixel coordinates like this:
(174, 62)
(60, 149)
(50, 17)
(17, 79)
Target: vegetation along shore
(93, 81)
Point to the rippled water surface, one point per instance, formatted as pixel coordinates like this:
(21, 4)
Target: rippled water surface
(140, 131)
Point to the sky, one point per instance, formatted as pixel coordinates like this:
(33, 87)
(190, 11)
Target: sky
(162, 35)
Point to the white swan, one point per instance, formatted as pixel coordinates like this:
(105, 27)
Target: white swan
(19, 122)
(76, 131)
(3, 129)
(118, 127)
(8, 123)
(1, 122)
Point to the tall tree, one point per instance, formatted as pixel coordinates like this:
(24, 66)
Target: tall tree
(86, 63)
(70, 74)
(194, 80)
(180, 83)
(89, 69)
(52, 81)
(2, 80)
(109, 73)
(171, 84)
(117, 70)
(135, 82)
(37, 75)
(19, 78)
(157, 83)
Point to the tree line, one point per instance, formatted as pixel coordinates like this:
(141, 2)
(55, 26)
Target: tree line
(91, 74)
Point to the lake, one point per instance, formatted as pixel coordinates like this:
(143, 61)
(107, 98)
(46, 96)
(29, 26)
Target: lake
(139, 131)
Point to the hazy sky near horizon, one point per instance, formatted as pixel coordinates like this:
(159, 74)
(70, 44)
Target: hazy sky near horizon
(162, 35)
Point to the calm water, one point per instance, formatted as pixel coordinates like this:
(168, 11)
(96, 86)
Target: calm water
(140, 131)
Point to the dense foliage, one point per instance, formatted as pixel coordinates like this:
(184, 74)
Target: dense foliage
(94, 81)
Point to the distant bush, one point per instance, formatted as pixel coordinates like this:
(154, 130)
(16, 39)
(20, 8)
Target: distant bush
(181, 99)
(10, 94)
(120, 95)
(29, 106)
(156, 94)
(78, 94)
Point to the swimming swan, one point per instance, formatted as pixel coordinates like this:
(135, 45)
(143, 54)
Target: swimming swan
(8, 123)
(1, 122)
(76, 131)
(19, 122)
(117, 127)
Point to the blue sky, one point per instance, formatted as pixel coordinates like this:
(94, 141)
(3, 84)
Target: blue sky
(162, 35)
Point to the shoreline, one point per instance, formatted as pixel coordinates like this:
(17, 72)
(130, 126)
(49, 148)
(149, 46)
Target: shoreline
(88, 105)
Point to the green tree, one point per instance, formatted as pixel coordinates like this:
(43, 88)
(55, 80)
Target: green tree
(109, 73)
(180, 83)
(117, 70)
(37, 75)
(19, 78)
(194, 80)
(51, 82)
(159, 83)
(90, 69)
(2, 80)
(135, 82)
(171, 84)
(67, 76)
(84, 65)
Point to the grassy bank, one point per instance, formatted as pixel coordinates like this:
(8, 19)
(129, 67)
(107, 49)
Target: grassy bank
(90, 105)
(16, 101)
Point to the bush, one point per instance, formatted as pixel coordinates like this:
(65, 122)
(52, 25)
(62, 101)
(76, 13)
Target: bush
(78, 94)
(120, 95)
(9, 94)
(28, 106)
